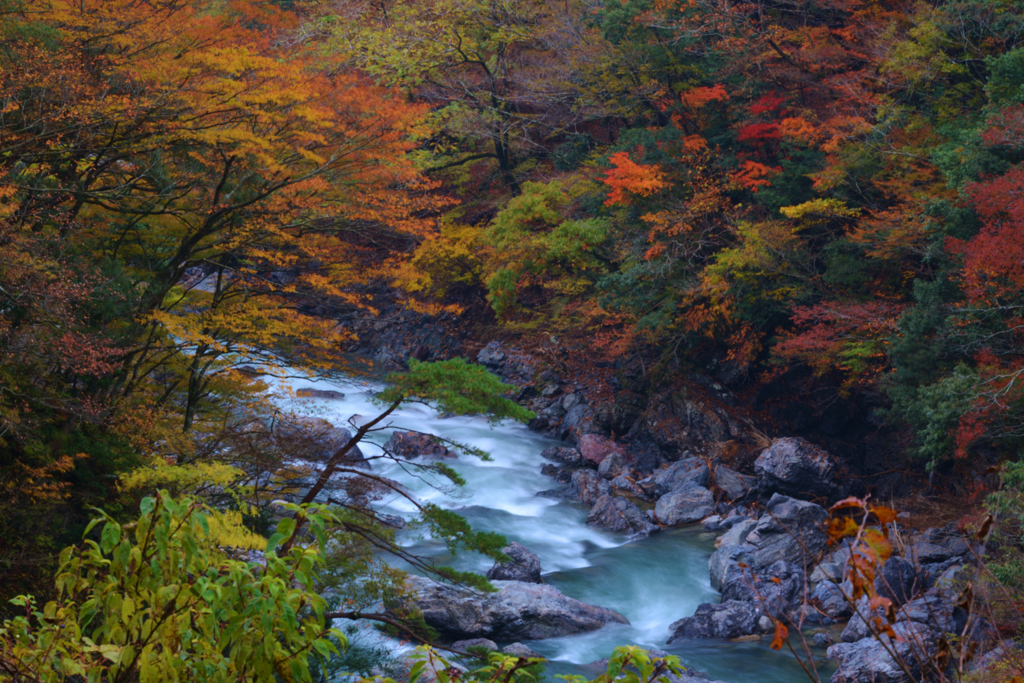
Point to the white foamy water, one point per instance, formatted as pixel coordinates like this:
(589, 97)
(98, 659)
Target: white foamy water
(652, 582)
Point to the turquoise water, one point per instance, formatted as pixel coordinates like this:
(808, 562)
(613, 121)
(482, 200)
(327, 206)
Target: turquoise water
(652, 581)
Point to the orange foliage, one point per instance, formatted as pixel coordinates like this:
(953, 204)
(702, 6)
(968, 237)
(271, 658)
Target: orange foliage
(630, 178)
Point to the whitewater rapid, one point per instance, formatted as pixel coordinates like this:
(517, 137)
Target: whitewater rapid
(652, 581)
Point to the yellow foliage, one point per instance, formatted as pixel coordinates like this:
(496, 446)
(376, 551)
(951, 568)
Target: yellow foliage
(818, 209)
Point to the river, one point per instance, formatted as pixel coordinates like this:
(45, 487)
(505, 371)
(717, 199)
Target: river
(652, 581)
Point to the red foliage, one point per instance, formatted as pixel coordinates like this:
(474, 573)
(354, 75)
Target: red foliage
(759, 132)
(769, 102)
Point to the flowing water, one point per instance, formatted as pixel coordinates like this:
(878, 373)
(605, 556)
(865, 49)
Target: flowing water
(652, 581)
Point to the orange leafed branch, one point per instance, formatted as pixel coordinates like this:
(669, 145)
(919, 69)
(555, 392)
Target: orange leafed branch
(630, 178)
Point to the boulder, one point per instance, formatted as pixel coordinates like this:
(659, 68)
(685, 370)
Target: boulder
(611, 466)
(678, 475)
(952, 581)
(618, 514)
(795, 467)
(775, 591)
(566, 456)
(898, 581)
(938, 545)
(491, 355)
(731, 619)
(518, 611)
(478, 643)
(790, 530)
(523, 565)
(869, 660)
(822, 639)
(577, 423)
(734, 484)
(319, 393)
(595, 449)
(520, 650)
(684, 506)
(587, 486)
(416, 445)
(828, 600)
(833, 566)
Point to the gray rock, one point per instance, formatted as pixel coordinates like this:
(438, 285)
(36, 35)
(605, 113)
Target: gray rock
(587, 486)
(679, 475)
(491, 355)
(520, 650)
(684, 506)
(789, 530)
(577, 422)
(938, 545)
(319, 393)
(822, 639)
(775, 591)
(523, 565)
(618, 514)
(737, 534)
(464, 645)
(731, 619)
(623, 482)
(795, 467)
(935, 613)
(734, 484)
(611, 466)
(833, 566)
(566, 456)
(518, 611)
(828, 599)
(898, 581)
(417, 445)
(868, 660)
(952, 581)
(725, 563)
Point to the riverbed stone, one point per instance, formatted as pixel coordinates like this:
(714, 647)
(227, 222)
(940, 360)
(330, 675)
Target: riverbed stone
(577, 423)
(566, 456)
(898, 581)
(518, 611)
(328, 394)
(677, 476)
(732, 483)
(520, 650)
(523, 565)
(313, 438)
(730, 619)
(587, 486)
(795, 467)
(417, 445)
(478, 643)
(868, 660)
(829, 600)
(790, 530)
(611, 466)
(775, 590)
(618, 514)
(684, 506)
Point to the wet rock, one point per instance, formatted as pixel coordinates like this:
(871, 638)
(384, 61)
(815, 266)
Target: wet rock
(678, 475)
(559, 474)
(523, 565)
(595, 449)
(478, 643)
(624, 482)
(822, 639)
(611, 466)
(795, 467)
(775, 590)
(684, 506)
(520, 650)
(898, 581)
(577, 422)
(417, 445)
(518, 611)
(618, 514)
(566, 456)
(731, 619)
(587, 486)
(319, 393)
(734, 484)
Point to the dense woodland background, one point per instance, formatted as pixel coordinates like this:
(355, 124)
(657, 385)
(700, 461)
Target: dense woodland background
(819, 205)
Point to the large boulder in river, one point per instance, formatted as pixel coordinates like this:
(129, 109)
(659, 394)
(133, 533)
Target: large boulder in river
(518, 611)
(416, 445)
(677, 476)
(795, 467)
(789, 530)
(312, 438)
(684, 506)
(566, 456)
(775, 590)
(618, 514)
(587, 486)
(730, 619)
(734, 484)
(522, 565)
(595, 449)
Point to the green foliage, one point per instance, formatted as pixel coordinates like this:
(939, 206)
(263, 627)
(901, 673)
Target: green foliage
(156, 600)
(934, 411)
(457, 387)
